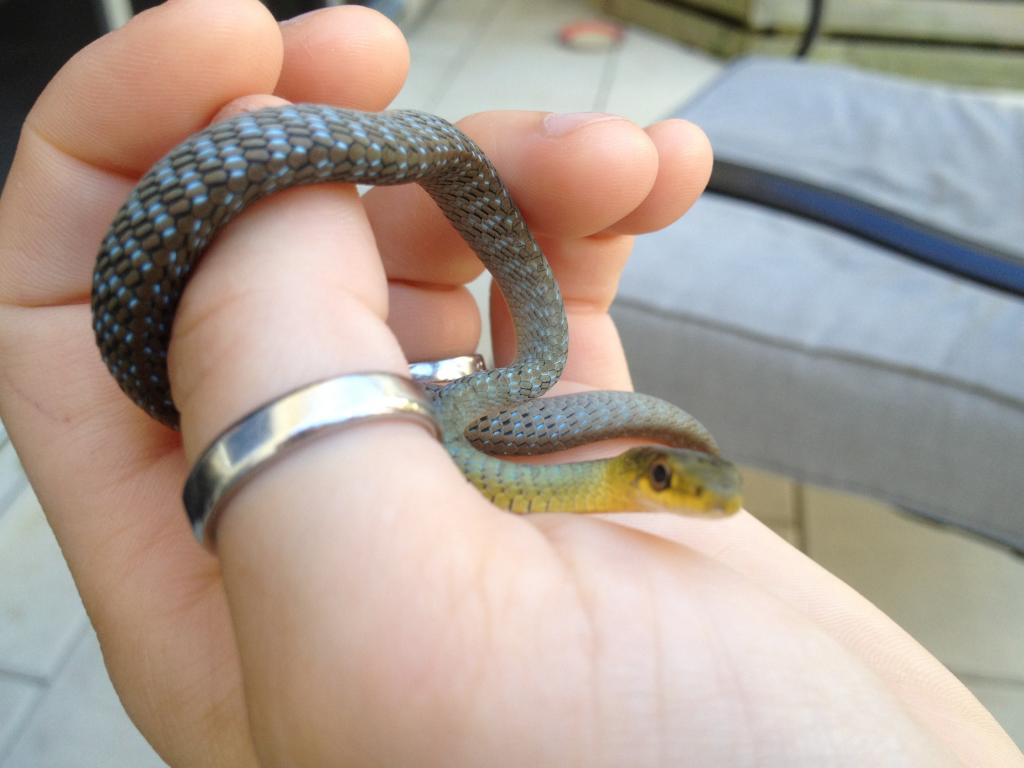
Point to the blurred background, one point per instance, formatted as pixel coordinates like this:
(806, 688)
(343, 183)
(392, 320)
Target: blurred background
(843, 309)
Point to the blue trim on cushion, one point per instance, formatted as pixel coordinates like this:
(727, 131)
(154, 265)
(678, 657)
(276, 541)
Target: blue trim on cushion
(913, 239)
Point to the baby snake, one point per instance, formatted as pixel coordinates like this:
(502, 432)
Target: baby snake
(179, 205)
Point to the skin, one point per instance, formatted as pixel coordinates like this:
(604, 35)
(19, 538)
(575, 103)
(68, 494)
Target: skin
(367, 606)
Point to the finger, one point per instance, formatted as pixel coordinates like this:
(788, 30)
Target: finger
(596, 358)
(171, 89)
(432, 323)
(684, 167)
(587, 270)
(322, 49)
(299, 267)
(571, 176)
(932, 693)
(349, 56)
(287, 295)
(109, 113)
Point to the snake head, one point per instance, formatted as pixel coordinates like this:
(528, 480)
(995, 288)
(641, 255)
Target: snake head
(683, 481)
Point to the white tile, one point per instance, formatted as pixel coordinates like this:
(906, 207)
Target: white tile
(438, 47)
(80, 721)
(40, 612)
(481, 291)
(653, 75)
(1004, 699)
(470, 55)
(17, 697)
(959, 597)
(517, 62)
(450, 21)
(427, 79)
(12, 479)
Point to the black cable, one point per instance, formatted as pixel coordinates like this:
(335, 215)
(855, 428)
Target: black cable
(814, 14)
(918, 241)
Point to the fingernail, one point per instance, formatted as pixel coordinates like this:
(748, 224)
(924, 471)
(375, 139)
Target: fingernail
(556, 124)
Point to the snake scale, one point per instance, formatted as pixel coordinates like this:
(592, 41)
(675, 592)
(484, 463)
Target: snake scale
(175, 210)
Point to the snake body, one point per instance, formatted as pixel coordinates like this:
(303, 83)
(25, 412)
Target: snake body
(175, 210)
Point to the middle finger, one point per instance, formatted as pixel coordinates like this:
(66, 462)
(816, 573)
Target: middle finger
(570, 175)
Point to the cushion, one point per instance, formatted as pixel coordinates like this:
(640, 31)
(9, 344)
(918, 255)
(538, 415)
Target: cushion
(813, 353)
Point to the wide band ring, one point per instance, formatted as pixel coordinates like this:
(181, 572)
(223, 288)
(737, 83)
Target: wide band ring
(274, 429)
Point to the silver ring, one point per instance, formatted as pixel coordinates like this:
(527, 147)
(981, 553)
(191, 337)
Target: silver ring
(274, 429)
(448, 369)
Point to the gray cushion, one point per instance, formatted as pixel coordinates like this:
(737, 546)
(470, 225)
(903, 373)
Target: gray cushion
(816, 354)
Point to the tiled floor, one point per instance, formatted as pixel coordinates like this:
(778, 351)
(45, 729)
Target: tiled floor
(962, 599)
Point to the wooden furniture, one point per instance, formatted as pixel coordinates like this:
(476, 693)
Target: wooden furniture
(971, 42)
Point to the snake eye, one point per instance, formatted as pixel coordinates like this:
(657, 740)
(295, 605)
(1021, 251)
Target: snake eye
(661, 476)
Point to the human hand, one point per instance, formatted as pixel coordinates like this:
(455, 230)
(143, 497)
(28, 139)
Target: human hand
(367, 606)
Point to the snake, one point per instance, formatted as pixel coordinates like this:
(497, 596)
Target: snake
(488, 418)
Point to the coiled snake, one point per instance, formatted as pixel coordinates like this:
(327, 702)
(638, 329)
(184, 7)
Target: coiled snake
(177, 207)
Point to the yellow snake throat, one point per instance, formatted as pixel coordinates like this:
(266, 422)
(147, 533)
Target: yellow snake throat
(158, 235)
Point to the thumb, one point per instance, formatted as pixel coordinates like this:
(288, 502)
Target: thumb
(291, 293)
